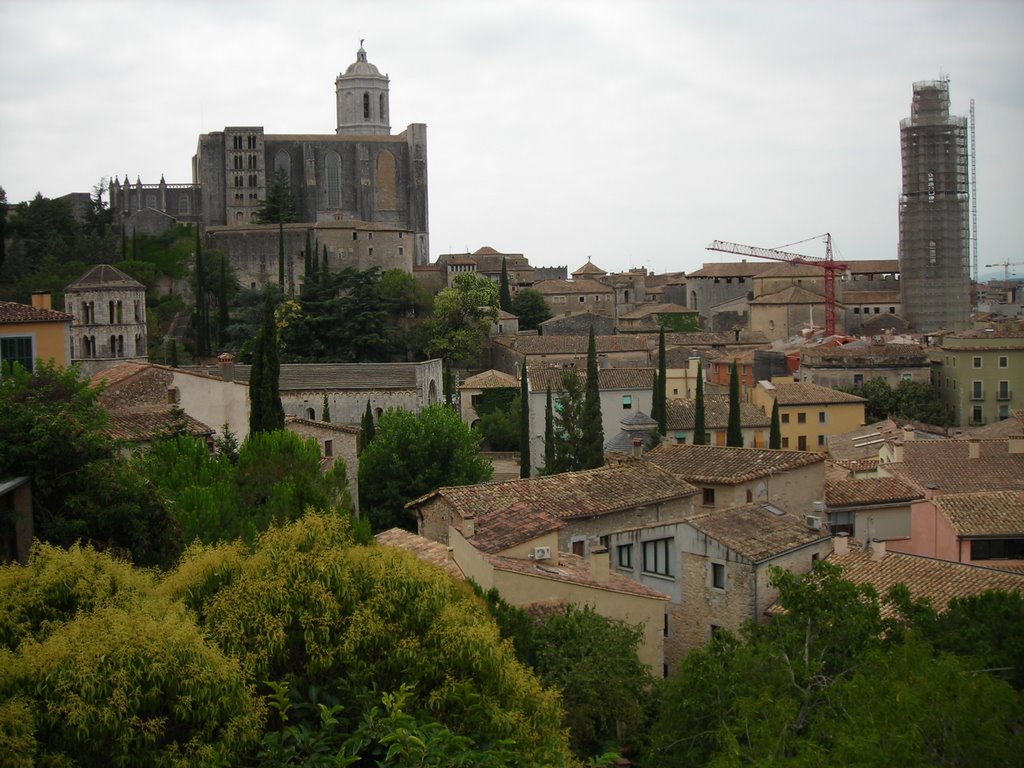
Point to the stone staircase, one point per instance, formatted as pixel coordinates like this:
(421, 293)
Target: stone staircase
(506, 466)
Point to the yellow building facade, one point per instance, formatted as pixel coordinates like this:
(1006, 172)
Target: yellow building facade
(809, 413)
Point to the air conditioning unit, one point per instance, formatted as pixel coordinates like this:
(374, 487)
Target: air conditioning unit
(813, 522)
(542, 553)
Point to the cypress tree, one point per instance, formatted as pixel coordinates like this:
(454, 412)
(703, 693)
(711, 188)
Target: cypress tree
(661, 391)
(775, 436)
(524, 424)
(324, 269)
(700, 429)
(734, 436)
(280, 255)
(134, 245)
(326, 417)
(202, 306)
(504, 295)
(265, 411)
(654, 396)
(310, 255)
(368, 428)
(223, 318)
(549, 435)
(174, 353)
(592, 448)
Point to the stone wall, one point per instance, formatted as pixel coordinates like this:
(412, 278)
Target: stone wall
(337, 443)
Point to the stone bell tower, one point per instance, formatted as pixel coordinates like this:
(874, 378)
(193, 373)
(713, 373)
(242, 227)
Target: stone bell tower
(362, 92)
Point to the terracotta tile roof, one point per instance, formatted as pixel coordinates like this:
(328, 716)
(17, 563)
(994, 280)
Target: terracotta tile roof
(13, 312)
(104, 276)
(358, 376)
(1001, 331)
(719, 465)
(573, 345)
(349, 429)
(485, 250)
(992, 513)
(571, 494)
(118, 373)
(756, 532)
(726, 356)
(582, 285)
(944, 466)
(574, 570)
(428, 551)
(680, 414)
(846, 466)
(607, 378)
(730, 269)
(794, 294)
(498, 529)
(864, 442)
(938, 580)
(544, 609)
(491, 379)
(800, 393)
(589, 269)
(709, 339)
(876, 354)
(1000, 429)
(870, 490)
(144, 424)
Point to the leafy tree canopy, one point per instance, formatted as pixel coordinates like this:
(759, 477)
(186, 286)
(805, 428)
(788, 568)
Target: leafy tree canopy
(530, 306)
(463, 314)
(412, 454)
(916, 400)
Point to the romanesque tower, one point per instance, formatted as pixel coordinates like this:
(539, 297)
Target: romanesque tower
(362, 93)
(934, 251)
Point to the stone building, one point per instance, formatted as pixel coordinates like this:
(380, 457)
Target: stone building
(336, 442)
(361, 192)
(852, 365)
(109, 326)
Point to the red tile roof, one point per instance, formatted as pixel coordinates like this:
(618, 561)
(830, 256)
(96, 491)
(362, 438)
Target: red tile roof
(993, 513)
(720, 465)
(428, 551)
(944, 466)
(145, 424)
(756, 532)
(499, 529)
(869, 491)
(681, 414)
(540, 378)
(799, 393)
(574, 570)
(13, 312)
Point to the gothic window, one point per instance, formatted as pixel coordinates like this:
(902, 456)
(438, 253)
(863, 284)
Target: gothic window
(252, 162)
(183, 205)
(236, 142)
(931, 252)
(380, 110)
(251, 141)
(333, 164)
(151, 201)
(111, 313)
(283, 162)
(139, 350)
(366, 106)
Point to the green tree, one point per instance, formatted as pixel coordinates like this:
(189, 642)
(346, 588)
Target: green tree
(463, 314)
(412, 454)
(530, 306)
(660, 406)
(593, 662)
(568, 426)
(700, 429)
(280, 207)
(524, 422)
(202, 314)
(53, 430)
(734, 436)
(367, 426)
(775, 432)
(408, 305)
(504, 295)
(265, 411)
(592, 448)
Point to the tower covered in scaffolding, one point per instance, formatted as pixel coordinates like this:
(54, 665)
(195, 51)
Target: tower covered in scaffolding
(934, 250)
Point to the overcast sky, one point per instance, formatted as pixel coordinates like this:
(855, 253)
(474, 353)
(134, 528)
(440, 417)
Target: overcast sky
(630, 132)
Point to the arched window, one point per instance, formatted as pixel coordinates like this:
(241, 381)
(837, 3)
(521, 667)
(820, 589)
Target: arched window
(386, 178)
(283, 162)
(380, 111)
(120, 316)
(333, 164)
(311, 414)
(366, 106)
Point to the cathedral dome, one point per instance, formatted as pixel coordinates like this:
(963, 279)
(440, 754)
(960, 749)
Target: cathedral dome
(361, 66)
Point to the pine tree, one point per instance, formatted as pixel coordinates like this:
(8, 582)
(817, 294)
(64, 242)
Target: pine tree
(504, 295)
(549, 435)
(326, 417)
(265, 411)
(592, 449)
(524, 423)
(775, 435)
(700, 430)
(661, 390)
(734, 436)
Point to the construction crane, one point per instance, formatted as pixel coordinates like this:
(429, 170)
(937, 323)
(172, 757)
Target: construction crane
(827, 264)
(1006, 275)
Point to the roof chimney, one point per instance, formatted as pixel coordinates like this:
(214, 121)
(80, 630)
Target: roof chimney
(841, 543)
(897, 453)
(638, 447)
(908, 433)
(1015, 444)
(226, 363)
(468, 527)
(599, 564)
(974, 448)
(877, 549)
(42, 300)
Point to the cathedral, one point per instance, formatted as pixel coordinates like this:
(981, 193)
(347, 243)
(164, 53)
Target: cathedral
(361, 192)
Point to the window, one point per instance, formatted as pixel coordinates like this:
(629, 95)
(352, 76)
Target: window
(785, 418)
(977, 391)
(582, 299)
(656, 557)
(173, 396)
(856, 310)
(858, 379)
(1004, 412)
(821, 417)
(1004, 391)
(311, 414)
(664, 625)
(1004, 362)
(718, 575)
(801, 418)
(801, 443)
(624, 556)
(709, 497)
(997, 549)
(821, 441)
(328, 448)
(905, 377)
(892, 310)
(976, 416)
(785, 442)
(366, 106)
(16, 349)
(976, 362)
(627, 402)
